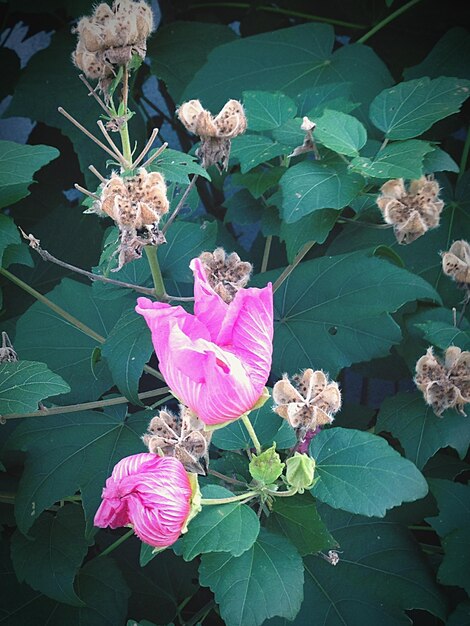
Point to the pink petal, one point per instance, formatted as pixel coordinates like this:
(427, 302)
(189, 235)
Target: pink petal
(209, 307)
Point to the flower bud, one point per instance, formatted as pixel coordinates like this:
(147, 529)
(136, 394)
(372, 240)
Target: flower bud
(267, 466)
(300, 469)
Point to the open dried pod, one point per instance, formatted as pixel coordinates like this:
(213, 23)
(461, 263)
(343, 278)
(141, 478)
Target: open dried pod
(7, 351)
(456, 263)
(411, 211)
(216, 132)
(308, 144)
(181, 436)
(307, 402)
(445, 384)
(226, 273)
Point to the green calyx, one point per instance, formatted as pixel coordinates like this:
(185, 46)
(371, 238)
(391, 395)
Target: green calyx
(300, 470)
(267, 466)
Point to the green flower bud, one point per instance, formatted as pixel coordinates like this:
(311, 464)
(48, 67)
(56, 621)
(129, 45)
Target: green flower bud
(267, 466)
(300, 471)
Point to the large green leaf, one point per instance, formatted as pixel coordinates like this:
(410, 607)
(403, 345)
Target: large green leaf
(360, 473)
(402, 159)
(449, 57)
(179, 49)
(315, 100)
(290, 60)
(43, 335)
(175, 166)
(51, 561)
(443, 335)
(265, 581)
(410, 108)
(266, 110)
(453, 500)
(71, 452)
(455, 567)
(334, 311)
(380, 574)
(340, 132)
(314, 227)
(297, 519)
(18, 163)
(461, 615)
(232, 527)
(9, 234)
(420, 432)
(24, 383)
(313, 185)
(251, 150)
(126, 350)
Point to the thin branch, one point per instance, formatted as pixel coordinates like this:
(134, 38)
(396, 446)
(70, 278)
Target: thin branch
(290, 268)
(182, 200)
(365, 224)
(387, 20)
(92, 92)
(179, 298)
(148, 145)
(86, 406)
(267, 248)
(88, 134)
(94, 171)
(227, 479)
(86, 192)
(110, 141)
(156, 154)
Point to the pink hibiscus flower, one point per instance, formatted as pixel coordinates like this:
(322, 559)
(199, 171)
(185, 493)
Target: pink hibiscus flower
(150, 492)
(218, 360)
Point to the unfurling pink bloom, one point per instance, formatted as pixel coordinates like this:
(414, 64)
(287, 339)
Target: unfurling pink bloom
(151, 493)
(218, 360)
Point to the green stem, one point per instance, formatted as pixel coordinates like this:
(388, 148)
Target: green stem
(463, 160)
(117, 543)
(267, 249)
(215, 501)
(305, 16)
(428, 528)
(201, 614)
(124, 132)
(251, 431)
(86, 406)
(152, 258)
(290, 268)
(387, 20)
(283, 494)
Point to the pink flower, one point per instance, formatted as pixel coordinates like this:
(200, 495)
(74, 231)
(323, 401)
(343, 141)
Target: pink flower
(150, 492)
(218, 360)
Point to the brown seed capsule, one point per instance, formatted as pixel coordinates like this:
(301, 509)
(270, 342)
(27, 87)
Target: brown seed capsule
(181, 436)
(412, 211)
(444, 384)
(226, 273)
(456, 262)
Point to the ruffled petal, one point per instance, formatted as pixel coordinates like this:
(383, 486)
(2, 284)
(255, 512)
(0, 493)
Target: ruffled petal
(209, 307)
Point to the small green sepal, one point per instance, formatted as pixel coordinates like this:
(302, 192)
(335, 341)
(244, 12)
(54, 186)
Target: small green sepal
(300, 469)
(267, 466)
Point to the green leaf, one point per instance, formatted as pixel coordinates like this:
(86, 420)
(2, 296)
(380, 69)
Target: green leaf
(229, 528)
(43, 335)
(455, 567)
(297, 519)
(340, 132)
(314, 227)
(259, 182)
(380, 574)
(175, 166)
(290, 60)
(461, 615)
(25, 383)
(453, 500)
(408, 109)
(265, 581)
(315, 100)
(51, 561)
(439, 161)
(179, 49)
(126, 350)
(344, 302)
(99, 584)
(420, 432)
(235, 436)
(360, 473)
(313, 185)
(443, 335)
(266, 111)
(18, 163)
(250, 150)
(9, 235)
(185, 240)
(71, 452)
(449, 57)
(242, 208)
(402, 159)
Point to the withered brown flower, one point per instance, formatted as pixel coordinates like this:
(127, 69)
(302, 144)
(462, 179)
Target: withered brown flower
(308, 144)
(456, 263)
(412, 211)
(181, 436)
(226, 273)
(309, 401)
(216, 132)
(444, 384)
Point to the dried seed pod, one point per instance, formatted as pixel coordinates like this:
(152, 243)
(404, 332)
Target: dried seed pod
(308, 144)
(181, 436)
(456, 263)
(7, 351)
(413, 211)
(227, 274)
(444, 384)
(307, 402)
